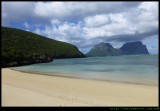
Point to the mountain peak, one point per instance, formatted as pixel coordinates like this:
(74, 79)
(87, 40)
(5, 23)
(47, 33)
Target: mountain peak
(132, 48)
(103, 49)
(134, 42)
(106, 49)
(104, 44)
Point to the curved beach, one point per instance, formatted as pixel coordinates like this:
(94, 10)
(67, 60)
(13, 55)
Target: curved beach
(25, 89)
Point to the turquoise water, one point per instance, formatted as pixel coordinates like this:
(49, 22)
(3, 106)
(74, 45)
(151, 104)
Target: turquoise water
(137, 69)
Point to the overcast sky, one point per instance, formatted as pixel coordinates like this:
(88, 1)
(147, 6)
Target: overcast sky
(85, 24)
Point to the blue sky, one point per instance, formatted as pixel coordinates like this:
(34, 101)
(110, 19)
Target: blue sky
(85, 24)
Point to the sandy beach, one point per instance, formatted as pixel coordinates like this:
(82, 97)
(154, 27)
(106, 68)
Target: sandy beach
(25, 89)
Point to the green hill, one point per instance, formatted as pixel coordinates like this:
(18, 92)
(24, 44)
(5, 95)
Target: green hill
(21, 47)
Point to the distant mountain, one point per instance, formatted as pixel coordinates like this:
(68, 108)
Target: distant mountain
(133, 48)
(21, 47)
(106, 49)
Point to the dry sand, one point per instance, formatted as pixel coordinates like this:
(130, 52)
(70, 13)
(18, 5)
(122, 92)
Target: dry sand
(24, 89)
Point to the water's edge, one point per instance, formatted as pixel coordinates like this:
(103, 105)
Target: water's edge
(139, 69)
(75, 77)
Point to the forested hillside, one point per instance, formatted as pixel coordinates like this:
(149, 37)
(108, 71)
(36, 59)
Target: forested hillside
(21, 47)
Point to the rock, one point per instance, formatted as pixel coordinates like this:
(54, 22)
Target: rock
(104, 49)
(134, 48)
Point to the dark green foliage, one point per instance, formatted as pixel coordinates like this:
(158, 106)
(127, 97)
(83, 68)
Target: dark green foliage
(22, 47)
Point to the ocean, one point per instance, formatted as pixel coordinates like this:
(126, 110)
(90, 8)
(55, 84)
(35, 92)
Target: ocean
(134, 69)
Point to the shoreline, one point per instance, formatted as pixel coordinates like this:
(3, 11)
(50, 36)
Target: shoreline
(25, 89)
(94, 79)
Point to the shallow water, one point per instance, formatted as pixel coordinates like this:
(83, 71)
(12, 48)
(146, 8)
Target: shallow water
(137, 69)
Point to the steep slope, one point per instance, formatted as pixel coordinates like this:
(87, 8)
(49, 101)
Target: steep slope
(20, 47)
(133, 48)
(104, 49)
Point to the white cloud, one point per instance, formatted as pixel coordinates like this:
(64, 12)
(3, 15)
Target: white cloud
(52, 9)
(68, 32)
(132, 22)
(47, 11)
(70, 10)
(97, 20)
(26, 25)
(38, 31)
(84, 23)
(101, 26)
(149, 9)
(55, 22)
(113, 24)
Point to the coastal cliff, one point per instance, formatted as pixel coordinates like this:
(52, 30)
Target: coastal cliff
(21, 47)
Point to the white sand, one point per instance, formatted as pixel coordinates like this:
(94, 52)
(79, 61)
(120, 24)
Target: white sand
(24, 89)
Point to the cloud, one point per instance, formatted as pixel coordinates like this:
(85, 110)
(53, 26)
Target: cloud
(55, 22)
(26, 25)
(63, 31)
(125, 23)
(78, 10)
(97, 20)
(133, 37)
(85, 24)
(115, 25)
(17, 10)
